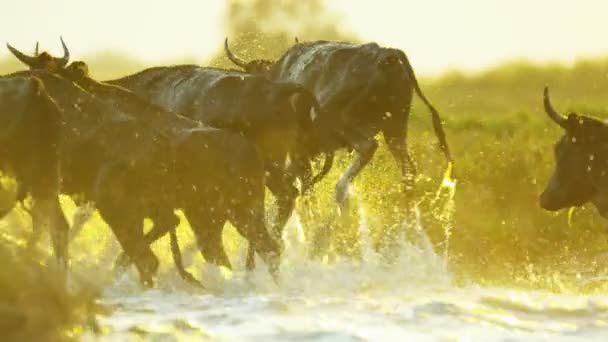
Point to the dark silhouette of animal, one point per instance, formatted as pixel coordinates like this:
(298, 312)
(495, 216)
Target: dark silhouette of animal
(142, 161)
(363, 89)
(581, 163)
(30, 139)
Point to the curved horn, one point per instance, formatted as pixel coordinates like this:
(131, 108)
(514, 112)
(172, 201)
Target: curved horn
(297, 40)
(235, 59)
(66, 53)
(555, 116)
(27, 60)
(36, 50)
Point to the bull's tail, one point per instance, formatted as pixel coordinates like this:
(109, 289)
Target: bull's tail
(437, 125)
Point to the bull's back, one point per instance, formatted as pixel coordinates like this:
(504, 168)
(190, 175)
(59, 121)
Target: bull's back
(196, 92)
(328, 69)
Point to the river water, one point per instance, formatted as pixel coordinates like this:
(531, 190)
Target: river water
(412, 299)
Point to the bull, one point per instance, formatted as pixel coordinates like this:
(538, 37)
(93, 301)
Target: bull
(30, 138)
(581, 157)
(363, 90)
(265, 111)
(276, 116)
(168, 150)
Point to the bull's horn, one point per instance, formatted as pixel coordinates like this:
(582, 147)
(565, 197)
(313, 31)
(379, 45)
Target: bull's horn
(28, 60)
(66, 53)
(36, 50)
(297, 40)
(235, 59)
(555, 116)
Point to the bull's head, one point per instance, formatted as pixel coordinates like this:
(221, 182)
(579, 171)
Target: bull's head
(43, 60)
(581, 158)
(256, 66)
(77, 70)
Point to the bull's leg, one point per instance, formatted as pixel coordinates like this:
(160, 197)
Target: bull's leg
(60, 233)
(281, 186)
(169, 220)
(157, 232)
(47, 212)
(128, 232)
(365, 152)
(249, 222)
(207, 227)
(117, 209)
(127, 229)
(395, 137)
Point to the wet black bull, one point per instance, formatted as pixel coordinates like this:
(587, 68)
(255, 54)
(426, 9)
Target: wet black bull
(165, 162)
(277, 116)
(362, 90)
(581, 163)
(30, 139)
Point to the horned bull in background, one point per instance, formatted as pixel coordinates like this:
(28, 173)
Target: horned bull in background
(362, 89)
(581, 163)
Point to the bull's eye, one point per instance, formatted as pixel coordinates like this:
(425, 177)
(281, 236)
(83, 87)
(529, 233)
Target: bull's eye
(573, 140)
(591, 157)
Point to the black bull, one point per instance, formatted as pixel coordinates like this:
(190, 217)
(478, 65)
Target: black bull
(134, 160)
(277, 116)
(30, 138)
(581, 163)
(362, 90)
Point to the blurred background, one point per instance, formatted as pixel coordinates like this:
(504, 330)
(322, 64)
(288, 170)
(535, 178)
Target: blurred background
(438, 35)
(482, 63)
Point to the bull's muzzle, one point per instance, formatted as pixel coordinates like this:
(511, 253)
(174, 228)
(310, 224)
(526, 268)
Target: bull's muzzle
(549, 202)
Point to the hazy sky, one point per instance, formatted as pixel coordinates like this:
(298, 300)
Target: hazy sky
(436, 34)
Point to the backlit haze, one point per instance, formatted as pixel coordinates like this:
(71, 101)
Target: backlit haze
(436, 34)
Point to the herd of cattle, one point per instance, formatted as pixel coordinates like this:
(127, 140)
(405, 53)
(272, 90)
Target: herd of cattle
(208, 141)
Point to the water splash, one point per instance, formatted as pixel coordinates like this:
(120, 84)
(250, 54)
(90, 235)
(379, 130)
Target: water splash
(444, 212)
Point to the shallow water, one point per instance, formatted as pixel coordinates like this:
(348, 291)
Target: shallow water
(411, 299)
